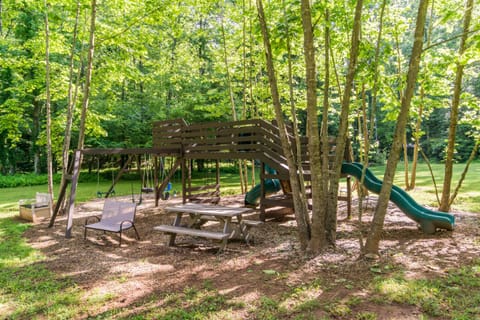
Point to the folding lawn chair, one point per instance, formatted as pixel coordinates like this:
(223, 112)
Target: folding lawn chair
(116, 217)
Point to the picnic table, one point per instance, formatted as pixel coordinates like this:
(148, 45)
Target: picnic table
(231, 220)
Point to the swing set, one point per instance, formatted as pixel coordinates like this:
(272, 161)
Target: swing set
(149, 178)
(111, 191)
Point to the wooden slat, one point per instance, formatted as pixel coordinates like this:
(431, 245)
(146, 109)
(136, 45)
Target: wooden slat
(192, 232)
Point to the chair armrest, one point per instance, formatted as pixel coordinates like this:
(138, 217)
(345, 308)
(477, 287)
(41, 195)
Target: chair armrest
(121, 224)
(96, 217)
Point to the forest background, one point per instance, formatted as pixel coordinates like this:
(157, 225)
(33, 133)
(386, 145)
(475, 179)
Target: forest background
(158, 60)
(389, 75)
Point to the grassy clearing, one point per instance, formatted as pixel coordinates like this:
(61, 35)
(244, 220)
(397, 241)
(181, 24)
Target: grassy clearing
(27, 288)
(424, 193)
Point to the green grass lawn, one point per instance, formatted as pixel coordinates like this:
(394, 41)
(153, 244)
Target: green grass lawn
(468, 198)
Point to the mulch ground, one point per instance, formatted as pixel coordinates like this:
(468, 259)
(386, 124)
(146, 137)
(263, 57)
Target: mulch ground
(138, 269)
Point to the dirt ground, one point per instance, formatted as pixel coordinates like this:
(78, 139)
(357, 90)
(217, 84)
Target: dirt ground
(139, 269)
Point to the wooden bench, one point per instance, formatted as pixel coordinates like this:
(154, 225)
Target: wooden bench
(252, 223)
(192, 232)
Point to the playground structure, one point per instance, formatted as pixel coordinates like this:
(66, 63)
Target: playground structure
(247, 139)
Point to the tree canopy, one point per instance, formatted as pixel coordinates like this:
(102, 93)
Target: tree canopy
(156, 60)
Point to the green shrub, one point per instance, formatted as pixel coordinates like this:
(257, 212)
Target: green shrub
(24, 180)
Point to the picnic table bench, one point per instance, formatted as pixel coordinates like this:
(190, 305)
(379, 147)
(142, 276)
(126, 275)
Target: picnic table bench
(231, 220)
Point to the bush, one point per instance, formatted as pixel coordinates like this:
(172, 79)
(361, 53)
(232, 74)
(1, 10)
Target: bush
(24, 180)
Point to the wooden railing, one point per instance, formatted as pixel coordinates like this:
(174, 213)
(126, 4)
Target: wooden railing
(245, 139)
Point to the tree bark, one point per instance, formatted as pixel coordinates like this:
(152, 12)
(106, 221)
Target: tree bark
(88, 77)
(374, 236)
(373, 114)
(300, 206)
(457, 90)
(341, 141)
(293, 109)
(318, 239)
(83, 118)
(48, 109)
(418, 124)
(416, 136)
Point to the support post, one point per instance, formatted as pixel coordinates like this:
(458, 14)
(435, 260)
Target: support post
(71, 202)
(119, 175)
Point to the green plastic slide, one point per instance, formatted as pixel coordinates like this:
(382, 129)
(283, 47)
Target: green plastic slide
(428, 220)
(271, 186)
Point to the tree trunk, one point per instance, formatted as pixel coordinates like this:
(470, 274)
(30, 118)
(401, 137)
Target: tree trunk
(457, 90)
(71, 103)
(472, 156)
(373, 114)
(318, 239)
(374, 236)
(243, 183)
(300, 206)
(88, 77)
(416, 136)
(293, 109)
(405, 160)
(37, 111)
(48, 109)
(341, 141)
(86, 94)
(418, 128)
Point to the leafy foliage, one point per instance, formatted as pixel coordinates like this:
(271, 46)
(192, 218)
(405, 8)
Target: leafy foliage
(158, 60)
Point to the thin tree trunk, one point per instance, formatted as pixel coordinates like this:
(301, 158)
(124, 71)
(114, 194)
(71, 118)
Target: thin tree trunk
(243, 184)
(374, 236)
(418, 123)
(416, 136)
(37, 111)
(432, 175)
(318, 239)
(71, 101)
(48, 109)
(472, 156)
(300, 207)
(405, 161)
(373, 114)
(244, 61)
(293, 110)
(83, 117)
(88, 77)
(341, 141)
(447, 180)
(325, 145)
(366, 148)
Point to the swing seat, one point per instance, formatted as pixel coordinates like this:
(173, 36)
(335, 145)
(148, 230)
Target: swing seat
(166, 193)
(100, 194)
(147, 190)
